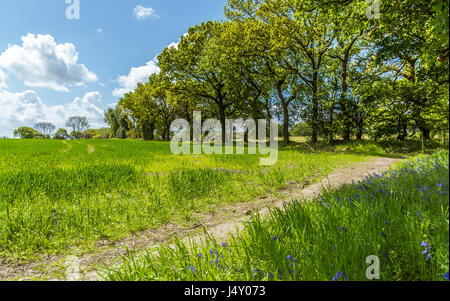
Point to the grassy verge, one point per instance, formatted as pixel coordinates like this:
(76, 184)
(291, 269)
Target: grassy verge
(55, 195)
(401, 216)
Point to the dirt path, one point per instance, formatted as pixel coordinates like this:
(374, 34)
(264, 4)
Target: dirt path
(338, 178)
(220, 223)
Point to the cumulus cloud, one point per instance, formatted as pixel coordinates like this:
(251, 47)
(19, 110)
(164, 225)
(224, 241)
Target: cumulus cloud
(26, 109)
(136, 75)
(142, 13)
(3, 78)
(41, 62)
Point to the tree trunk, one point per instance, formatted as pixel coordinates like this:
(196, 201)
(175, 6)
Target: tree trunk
(331, 134)
(359, 134)
(148, 131)
(286, 124)
(344, 104)
(285, 105)
(423, 143)
(315, 109)
(222, 119)
(426, 133)
(444, 138)
(404, 131)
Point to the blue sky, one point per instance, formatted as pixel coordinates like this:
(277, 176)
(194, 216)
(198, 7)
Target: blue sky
(52, 67)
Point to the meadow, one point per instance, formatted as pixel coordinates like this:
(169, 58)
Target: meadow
(60, 196)
(400, 216)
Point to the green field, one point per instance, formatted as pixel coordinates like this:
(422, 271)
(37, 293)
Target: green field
(401, 216)
(60, 194)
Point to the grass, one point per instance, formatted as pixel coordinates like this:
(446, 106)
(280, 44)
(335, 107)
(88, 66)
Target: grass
(401, 216)
(55, 195)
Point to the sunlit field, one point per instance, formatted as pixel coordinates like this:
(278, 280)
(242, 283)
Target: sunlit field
(400, 216)
(60, 194)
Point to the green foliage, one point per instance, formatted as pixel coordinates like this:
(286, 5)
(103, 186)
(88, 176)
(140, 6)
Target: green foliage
(76, 135)
(27, 133)
(323, 63)
(301, 129)
(61, 134)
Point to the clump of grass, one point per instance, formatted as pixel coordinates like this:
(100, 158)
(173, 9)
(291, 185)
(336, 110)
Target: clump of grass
(401, 216)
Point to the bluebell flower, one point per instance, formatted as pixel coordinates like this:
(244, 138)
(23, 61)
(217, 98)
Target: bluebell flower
(339, 275)
(224, 245)
(420, 216)
(192, 269)
(427, 250)
(446, 276)
(343, 229)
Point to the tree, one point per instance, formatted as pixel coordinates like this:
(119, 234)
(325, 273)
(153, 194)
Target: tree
(61, 134)
(112, 118)
(142, 107)
(412, 41)
(45, 128)
(301, 37)
(27, 133)
(76, 135)
(197, 71)
(258, 72)
(89, 134)
(348, 44)
(78, 124)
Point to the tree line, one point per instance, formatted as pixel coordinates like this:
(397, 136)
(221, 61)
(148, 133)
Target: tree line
(46, 130)
(321, 66)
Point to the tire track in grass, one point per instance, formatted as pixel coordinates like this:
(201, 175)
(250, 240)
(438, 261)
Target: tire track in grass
(91, 149)
(68, 147)
(219, 224)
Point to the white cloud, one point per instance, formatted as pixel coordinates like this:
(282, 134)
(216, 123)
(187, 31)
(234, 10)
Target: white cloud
(100, 30)
(136, 75)
(142, 13)
(41, 62)
(26, 109)
(3, 78)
